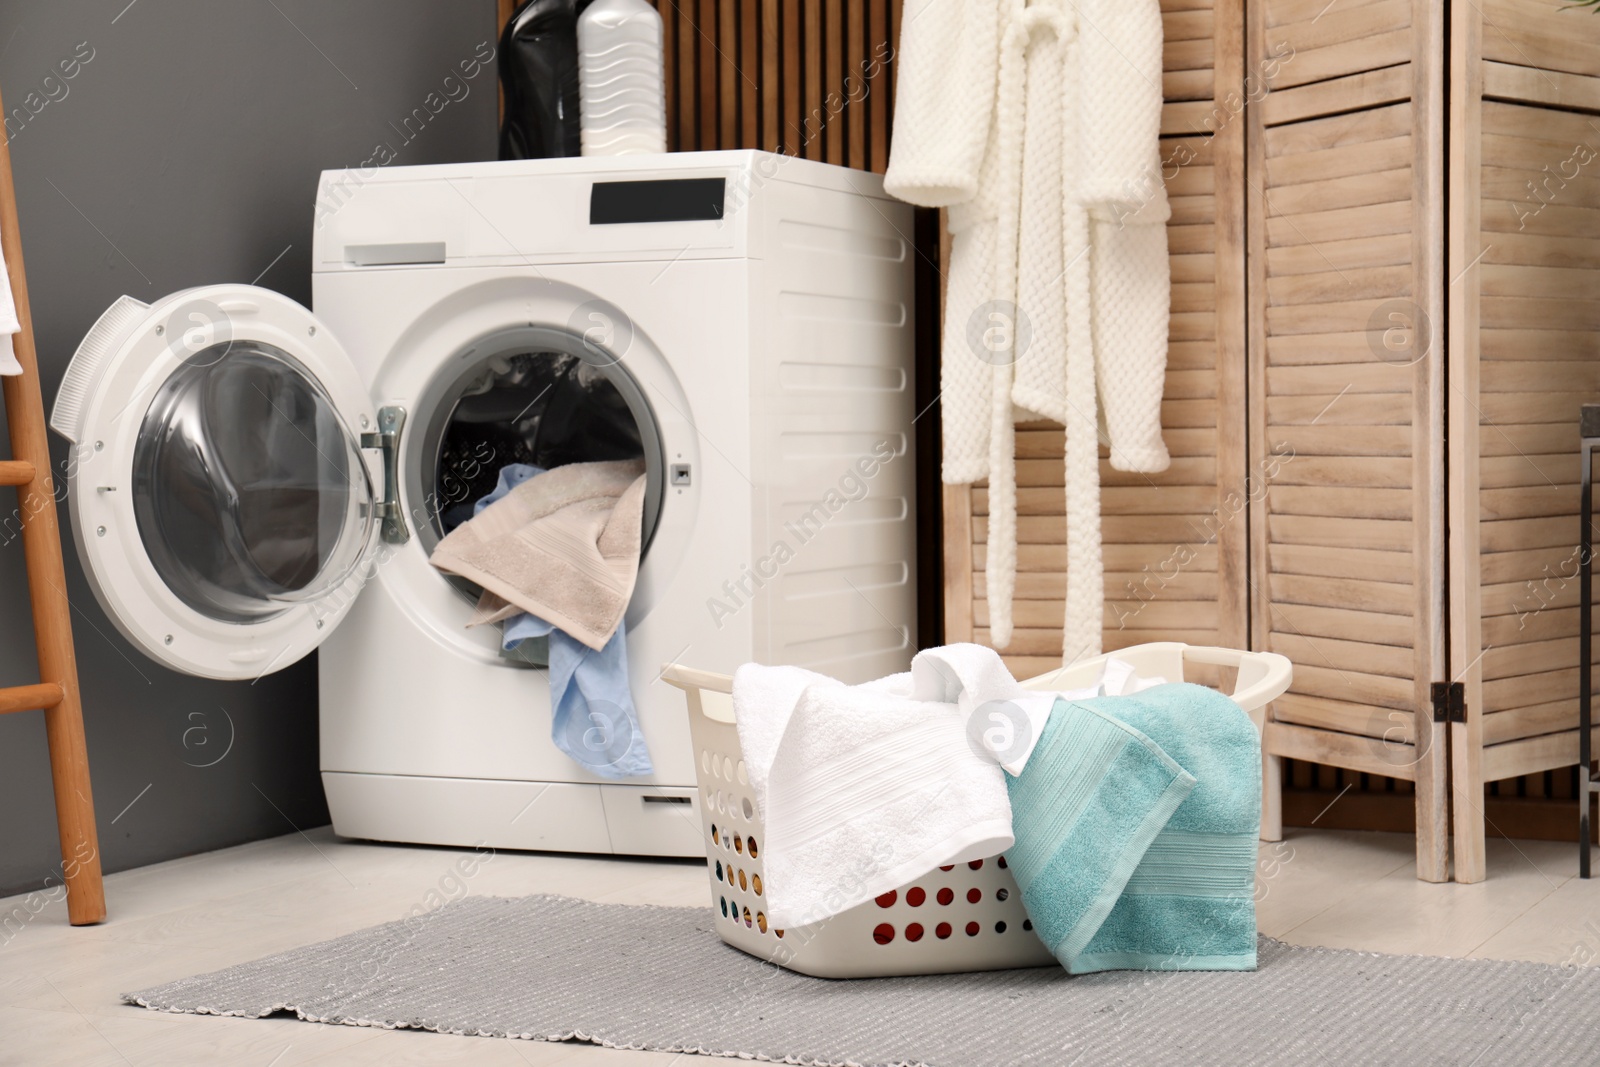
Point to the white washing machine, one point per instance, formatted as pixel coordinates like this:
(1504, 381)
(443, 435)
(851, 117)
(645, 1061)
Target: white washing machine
(251, 481)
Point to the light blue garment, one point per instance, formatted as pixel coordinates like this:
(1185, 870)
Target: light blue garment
(592, 718)
(1136, 823)
(511, 476)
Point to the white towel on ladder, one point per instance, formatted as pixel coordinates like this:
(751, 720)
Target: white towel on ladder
(9, 325)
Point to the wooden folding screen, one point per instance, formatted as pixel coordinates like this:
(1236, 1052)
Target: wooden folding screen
(1346, 384)
(1175, 542)
(1524, 355)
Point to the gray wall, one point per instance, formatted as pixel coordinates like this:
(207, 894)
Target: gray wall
(186, 151)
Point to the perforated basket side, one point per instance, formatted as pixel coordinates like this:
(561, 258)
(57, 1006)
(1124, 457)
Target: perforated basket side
(103, 338)
(967, 917)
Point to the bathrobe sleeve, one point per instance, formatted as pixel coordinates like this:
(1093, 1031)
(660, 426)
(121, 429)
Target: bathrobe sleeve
(1120, 42)
(947, 74)
(1121, 185)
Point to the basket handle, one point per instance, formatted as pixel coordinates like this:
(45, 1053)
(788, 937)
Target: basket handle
(1263, 676)
(687, 678)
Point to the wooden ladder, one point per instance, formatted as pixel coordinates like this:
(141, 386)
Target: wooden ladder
(57, 694)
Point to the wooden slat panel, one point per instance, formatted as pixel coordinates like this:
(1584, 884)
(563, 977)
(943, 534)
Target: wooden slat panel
(1326, 500)
(1335, 379)
(1532, 721)
(1363, 656)
(1376, 409)
(1340, 562)
(1534, 564)
(1533, 34)
(1357, 127)
(1534, 657)
(1277, 13)
(1352, 190)
(1341, 624)
(1337, 750)
(1355, 687)
(1336, 440)
(1383, 535)
(1317, 226)
(1351, 160)
(1347, 472)
(1383, 726)
(1372, 89)
(1553, 88)
(1385, 250)
(1534, 754)
(1336, 285)
(1515, 628)
(1351, 593)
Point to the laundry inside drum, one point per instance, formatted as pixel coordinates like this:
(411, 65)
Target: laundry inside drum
(545, 406)
(543, 409)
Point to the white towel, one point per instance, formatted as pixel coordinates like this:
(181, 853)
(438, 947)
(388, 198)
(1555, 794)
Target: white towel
(869, 791)
(962, 674)
(763, 702)
(1003, 719)
(8, 323)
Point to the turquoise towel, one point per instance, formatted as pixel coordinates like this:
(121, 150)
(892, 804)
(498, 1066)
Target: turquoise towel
(1190, 905)
(1093, 796)
(1150, 862)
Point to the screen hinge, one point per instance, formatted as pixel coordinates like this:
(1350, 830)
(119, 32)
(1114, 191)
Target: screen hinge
(391, 420)
(1449, 702)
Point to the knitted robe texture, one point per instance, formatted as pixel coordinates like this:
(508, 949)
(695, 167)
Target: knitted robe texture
(1036, 122)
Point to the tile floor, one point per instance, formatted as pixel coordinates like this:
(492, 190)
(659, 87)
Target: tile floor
(59, 986)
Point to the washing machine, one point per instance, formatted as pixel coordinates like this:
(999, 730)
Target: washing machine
(251, 480)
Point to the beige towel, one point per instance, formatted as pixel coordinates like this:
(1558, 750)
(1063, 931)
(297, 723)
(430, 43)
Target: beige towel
(564, 545)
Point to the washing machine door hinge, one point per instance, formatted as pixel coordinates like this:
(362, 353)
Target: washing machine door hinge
(391, 420)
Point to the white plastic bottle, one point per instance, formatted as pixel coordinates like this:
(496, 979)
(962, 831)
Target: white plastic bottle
(621, 83)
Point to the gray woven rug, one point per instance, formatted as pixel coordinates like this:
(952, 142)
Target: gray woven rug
(554, 969)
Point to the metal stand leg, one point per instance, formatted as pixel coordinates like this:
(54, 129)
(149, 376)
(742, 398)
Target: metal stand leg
(1585, 635)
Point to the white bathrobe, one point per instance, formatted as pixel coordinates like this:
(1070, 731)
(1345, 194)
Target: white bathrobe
(1037, 124)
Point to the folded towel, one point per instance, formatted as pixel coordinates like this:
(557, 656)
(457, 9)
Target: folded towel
(1090, 801)
(563, 545)
(592, 716)
(1190, 904)
(868, 791)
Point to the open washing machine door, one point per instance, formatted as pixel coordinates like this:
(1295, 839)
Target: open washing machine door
(223, 502)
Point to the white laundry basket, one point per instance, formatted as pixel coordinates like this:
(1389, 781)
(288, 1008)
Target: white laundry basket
(967, 917)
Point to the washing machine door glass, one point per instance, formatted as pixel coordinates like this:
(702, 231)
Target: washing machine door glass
(250, 493)
(220, 490)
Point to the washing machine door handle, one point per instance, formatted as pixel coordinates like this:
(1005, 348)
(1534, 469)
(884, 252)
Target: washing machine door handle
(386, 439)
